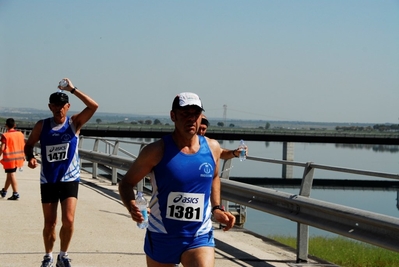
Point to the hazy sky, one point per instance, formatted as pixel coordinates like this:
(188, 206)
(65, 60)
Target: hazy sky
(325, 60)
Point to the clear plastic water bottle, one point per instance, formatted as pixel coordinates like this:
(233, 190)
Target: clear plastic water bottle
(242, 148)
(63, 83)
(142, 204)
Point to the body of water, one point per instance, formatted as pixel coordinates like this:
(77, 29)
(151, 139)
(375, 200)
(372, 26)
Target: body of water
(373, 158)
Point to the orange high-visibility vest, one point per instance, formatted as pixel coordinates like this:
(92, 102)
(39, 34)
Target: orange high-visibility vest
(13, 154)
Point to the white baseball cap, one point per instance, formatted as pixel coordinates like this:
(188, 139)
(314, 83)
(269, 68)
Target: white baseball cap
(186, 99)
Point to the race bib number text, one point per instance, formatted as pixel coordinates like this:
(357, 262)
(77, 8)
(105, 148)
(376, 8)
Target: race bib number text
(57, 152)
(185, 206)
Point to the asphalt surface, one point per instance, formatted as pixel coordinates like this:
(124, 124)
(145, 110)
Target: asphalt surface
(105, 235)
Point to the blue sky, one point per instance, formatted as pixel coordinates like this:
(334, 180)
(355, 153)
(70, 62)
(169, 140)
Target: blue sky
(329, 61)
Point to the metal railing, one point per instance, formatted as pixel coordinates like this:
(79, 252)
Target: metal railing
(369, 227)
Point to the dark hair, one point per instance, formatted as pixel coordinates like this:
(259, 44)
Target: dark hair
(58, 98)
(10, 123)
(175, 104)
(205, 121)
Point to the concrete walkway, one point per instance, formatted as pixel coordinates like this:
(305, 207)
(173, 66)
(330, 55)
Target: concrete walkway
(106, 236)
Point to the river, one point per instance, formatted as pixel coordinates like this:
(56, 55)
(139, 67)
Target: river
(368, 157)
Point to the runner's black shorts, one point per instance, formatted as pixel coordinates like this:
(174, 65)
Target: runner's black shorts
(60, 191)
(10, 170)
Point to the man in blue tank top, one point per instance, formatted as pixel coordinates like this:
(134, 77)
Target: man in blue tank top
(60, 168)
(186, 191)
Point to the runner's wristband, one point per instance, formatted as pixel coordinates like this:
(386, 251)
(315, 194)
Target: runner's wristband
(217, 207)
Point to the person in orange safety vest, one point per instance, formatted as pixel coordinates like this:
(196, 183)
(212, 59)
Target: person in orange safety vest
(12, 150)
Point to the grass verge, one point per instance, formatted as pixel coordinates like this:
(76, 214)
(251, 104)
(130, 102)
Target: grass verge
(345, 252)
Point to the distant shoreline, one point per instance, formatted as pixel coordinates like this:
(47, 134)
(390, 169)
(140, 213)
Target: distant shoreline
(32, 115)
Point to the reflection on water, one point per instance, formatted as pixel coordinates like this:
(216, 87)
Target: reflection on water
(232, 142)
(376, 148)
(266, 144)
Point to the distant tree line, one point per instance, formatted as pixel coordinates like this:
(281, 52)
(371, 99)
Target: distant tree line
(376, 127)
(386, 127)
(352, 128)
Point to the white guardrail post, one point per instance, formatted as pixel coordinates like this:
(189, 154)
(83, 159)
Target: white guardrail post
(302, 242)
(115, 170)
(239, 211)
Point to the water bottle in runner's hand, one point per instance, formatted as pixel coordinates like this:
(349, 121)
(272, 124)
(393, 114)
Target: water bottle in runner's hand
(242, 149)
(141, 203)
(63, 83)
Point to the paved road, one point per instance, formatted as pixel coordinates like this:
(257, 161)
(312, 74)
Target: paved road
(105, 235)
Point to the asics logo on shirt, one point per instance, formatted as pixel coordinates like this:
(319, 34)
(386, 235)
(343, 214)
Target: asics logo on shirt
(180, 198)
(57, 148)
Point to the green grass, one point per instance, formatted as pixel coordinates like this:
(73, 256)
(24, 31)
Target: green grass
(345, 252)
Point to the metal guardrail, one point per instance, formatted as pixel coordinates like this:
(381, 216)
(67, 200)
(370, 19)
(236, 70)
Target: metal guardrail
(369, 227)
(373, 228)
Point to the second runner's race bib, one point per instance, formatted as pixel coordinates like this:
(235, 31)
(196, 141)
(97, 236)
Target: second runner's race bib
(57, 152)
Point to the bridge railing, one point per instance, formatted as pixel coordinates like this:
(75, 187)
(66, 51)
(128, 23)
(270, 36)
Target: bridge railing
(369, 227)
(237, 133)
(110, 155)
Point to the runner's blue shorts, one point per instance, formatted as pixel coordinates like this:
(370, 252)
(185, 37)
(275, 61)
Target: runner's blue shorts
(168, 249)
